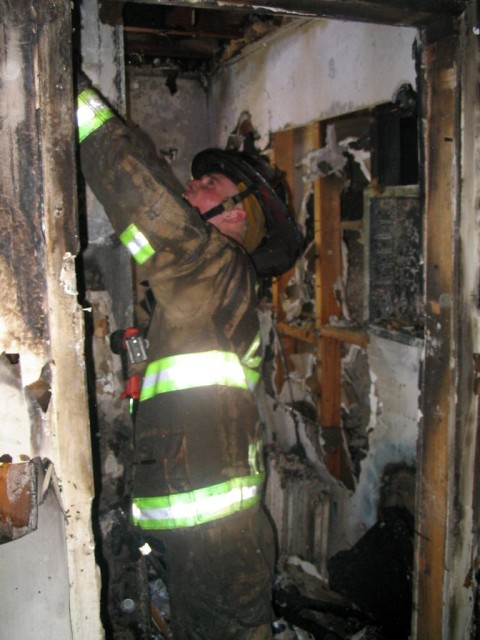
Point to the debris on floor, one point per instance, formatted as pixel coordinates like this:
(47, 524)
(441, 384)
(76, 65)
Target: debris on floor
(376, 573)
(305, 605)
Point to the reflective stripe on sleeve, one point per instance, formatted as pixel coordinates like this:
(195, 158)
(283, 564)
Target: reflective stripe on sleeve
(137, 244)
(92, 113)
(190, 370)
(199, 506)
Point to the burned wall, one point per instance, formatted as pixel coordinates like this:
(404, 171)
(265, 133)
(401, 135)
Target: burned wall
(41, 336)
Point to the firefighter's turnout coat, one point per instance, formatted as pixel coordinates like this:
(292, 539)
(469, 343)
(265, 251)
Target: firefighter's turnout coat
(198, 473)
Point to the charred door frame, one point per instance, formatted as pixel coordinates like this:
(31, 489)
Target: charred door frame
(446, 538)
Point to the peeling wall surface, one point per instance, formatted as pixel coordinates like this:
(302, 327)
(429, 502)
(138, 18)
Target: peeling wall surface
(315, 69)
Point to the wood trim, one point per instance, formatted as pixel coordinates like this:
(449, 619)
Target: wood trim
(438, 402)
(69, 418)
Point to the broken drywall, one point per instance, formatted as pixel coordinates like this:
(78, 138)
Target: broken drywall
(393, 427)
(15, 430)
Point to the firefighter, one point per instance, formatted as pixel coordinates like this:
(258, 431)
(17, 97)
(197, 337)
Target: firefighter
(198, 468)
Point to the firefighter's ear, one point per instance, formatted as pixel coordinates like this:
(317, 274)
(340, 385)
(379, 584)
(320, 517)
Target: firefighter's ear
(235, 215)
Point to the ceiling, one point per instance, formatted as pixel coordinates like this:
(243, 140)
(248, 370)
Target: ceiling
(194, 36)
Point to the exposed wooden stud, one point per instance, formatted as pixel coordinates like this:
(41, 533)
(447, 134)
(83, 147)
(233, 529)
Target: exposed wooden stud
(284, 145)
(327, 271)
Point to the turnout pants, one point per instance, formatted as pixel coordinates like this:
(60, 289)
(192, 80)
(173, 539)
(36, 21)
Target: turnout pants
(219, 578)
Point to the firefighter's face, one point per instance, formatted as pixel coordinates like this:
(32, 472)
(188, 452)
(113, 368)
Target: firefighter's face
(209, 191)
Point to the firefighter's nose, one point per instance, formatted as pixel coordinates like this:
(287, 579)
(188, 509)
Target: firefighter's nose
(198, 183)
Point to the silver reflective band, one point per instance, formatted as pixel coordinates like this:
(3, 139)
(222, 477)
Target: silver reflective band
(137, 244)
(199, 506)
(191, 370)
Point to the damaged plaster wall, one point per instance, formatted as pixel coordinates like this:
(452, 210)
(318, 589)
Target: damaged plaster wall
(312, 70)
(393, 427)
(175, 124)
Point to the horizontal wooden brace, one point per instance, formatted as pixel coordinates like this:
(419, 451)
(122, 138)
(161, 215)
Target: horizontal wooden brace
(342, 334)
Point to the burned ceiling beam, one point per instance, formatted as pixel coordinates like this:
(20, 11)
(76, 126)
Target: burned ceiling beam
(221, 35)
(395, 12)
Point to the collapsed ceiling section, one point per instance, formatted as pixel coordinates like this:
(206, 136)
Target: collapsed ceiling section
(195, 36)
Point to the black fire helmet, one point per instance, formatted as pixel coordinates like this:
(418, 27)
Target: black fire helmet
(283, 240)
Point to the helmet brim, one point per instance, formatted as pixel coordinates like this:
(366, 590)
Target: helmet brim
(282, 243)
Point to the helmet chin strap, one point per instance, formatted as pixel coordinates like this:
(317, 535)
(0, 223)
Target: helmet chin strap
(228, 203)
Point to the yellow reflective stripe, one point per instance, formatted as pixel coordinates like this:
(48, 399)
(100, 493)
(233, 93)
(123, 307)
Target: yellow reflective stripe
(199, 506)
(134, 240)
(92, 113)
(190, 370)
